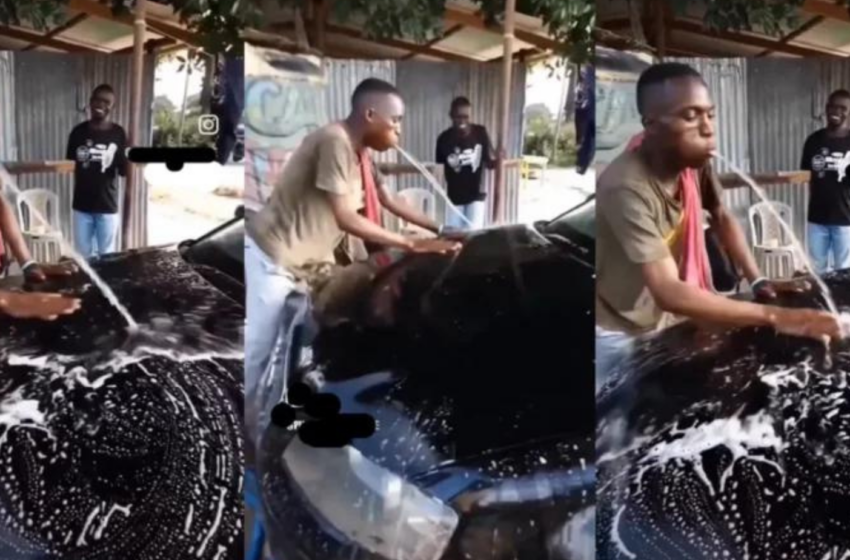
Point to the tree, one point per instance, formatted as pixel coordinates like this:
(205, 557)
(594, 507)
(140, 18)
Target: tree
(218, 22)
(770, 17)
(538, 111)
(570, 22)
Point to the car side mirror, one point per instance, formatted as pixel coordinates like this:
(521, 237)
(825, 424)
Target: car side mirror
(240, 212)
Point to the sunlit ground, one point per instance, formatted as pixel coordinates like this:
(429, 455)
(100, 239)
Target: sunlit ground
(555, 192)
(187, 204)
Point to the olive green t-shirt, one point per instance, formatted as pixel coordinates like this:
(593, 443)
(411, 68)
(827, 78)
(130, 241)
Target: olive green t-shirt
(297, 225)
(638, 222)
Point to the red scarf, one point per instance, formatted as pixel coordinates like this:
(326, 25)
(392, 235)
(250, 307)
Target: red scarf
(694, 266)
(372, 206)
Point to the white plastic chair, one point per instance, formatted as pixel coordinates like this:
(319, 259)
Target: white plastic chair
(772, 248)
(44, 240)
(422, 200)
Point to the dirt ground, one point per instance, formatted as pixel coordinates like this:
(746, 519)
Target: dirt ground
(186, 206)
(554, 193)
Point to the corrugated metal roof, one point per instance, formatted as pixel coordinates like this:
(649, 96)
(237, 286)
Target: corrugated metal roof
(51, 95)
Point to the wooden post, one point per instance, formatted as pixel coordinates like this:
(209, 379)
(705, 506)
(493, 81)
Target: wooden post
(135, 113)
(661, 31)
(320, 16)
(504, 115)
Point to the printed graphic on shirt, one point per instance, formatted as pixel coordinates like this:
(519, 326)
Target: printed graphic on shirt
(471, 157)
(90, 153)
(824, 162)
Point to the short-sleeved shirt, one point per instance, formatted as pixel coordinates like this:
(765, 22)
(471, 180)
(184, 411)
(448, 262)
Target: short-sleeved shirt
(464, 157)
(638, 222)
(99, 157)
(297, 226)
(828, 159)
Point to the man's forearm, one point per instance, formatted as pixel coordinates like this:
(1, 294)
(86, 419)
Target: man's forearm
(12, 234)
(358, 226)
(735, 242)
(694, 303)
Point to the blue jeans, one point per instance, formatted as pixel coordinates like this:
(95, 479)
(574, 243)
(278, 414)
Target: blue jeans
(612, 349)
(829, 240)
(268, 286)
(474, 212)
(95, 234)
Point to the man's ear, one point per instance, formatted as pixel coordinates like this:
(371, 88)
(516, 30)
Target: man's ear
(370, 115)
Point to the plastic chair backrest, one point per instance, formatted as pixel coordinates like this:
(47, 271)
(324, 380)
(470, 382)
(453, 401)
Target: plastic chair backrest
(420, 199)
(43, 201)
(765, 229)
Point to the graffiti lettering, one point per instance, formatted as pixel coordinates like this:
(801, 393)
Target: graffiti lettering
(282, 110)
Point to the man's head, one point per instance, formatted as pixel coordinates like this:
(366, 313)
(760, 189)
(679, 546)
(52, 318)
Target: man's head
(101, 102)
(677, 113)
(838, 109)
(378, 107)
(461, 113)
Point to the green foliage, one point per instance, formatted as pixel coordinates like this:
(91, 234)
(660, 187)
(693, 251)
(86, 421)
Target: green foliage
(166, 118)
(40, 13)
(216, 22)
(540, 136)
(769, 16)
(569, 22)
(416, 20)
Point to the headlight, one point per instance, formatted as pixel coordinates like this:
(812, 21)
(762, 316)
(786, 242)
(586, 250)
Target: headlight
(368, 504)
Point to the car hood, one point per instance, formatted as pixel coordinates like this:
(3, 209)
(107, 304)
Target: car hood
(460, 357)
(727, 442)
(124, 446)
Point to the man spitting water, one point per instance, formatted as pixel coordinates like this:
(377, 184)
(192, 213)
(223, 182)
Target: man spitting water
(651, 261)
(327, 189)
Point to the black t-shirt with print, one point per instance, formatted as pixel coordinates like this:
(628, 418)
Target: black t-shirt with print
(828, 159)
(464, 157)
(99, 155)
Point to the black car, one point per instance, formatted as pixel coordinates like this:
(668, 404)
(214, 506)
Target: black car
(479, 371)
(727, 444)
(127, 444)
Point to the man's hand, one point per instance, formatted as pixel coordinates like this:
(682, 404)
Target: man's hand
(434, 246)
(37, 305)
(453, 234)
(770, 289)
(807, 323)
(41, 272)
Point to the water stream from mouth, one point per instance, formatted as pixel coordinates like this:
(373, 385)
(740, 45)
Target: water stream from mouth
(798, 247)
(434, 183)
(7, 180)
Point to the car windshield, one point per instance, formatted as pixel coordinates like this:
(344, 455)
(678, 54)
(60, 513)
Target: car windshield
(580, 219)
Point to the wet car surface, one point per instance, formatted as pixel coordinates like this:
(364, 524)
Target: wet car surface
(478, 369)
(126, 446)
(727, 444)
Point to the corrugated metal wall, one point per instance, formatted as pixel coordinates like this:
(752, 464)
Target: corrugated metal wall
(428, 89)
(7, 108)
(787, 99)
(52, 92)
